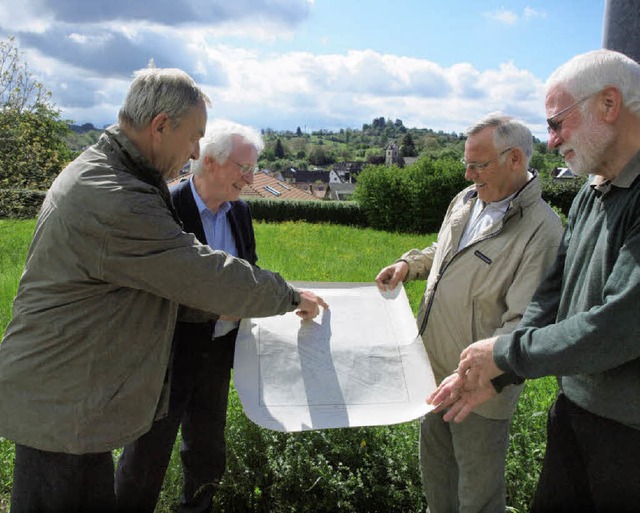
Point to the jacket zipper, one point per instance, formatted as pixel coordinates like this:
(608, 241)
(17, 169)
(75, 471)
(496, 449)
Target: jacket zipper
(423, 326)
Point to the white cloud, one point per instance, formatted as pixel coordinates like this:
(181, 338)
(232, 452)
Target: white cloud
(502, 16)
(511, 18)
(88, 68)
(345, 91)
(23, 16)
(529, 12)
(165, 12)
(330, 91)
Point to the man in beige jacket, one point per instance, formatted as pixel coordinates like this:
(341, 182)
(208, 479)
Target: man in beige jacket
(494, 246)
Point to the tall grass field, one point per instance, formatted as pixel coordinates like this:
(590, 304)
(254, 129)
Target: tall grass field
(353, 470)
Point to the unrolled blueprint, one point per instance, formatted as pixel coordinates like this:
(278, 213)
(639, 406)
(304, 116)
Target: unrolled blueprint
(359, 363)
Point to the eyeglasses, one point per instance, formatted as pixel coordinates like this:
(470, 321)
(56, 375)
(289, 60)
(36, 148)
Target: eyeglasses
(556, 126)
(474, 166)
(246, 169)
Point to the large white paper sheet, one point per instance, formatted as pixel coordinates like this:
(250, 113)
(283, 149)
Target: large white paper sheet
(359, 363)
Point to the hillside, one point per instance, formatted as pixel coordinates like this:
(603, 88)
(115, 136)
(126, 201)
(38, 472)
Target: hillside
(323, 148)
(82, 136)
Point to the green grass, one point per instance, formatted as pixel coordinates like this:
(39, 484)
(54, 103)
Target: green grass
(321, 252)
(528, 441)
(15, 237)
(372, 469)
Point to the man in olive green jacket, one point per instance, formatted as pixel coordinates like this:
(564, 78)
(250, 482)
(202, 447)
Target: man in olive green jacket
(494, 246)
(84, 359)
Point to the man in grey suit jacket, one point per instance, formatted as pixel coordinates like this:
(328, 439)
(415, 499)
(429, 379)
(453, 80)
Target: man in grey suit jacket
(209, 206)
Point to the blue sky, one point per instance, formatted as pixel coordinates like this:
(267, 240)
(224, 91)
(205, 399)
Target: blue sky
(315, 64)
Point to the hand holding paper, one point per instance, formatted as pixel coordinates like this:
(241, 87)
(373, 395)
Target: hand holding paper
(389, 277)
(310, 304)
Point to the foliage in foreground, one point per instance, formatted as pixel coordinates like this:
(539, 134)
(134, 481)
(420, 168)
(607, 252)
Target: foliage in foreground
(364, 469)
(353, 470)
(32, 146)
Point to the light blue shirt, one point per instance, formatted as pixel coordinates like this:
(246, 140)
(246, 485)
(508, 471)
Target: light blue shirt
(218, 232)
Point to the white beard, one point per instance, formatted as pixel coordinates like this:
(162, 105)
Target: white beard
(589, 144)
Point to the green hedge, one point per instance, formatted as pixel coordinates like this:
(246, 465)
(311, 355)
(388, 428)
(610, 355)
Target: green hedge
(346, 213)
(413, 199)
(20, 203)
(560, 193)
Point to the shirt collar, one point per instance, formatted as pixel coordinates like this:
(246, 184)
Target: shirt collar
(202, 207)
(503, 205)
(629, 173)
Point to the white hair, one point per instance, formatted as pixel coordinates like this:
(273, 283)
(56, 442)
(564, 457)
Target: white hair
(219, 139)
(590, 72)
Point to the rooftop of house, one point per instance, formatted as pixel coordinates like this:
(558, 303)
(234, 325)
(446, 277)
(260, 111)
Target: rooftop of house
(264, 186)
(268, 187)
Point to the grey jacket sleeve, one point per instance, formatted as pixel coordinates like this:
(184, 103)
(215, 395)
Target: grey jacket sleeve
(155, 255)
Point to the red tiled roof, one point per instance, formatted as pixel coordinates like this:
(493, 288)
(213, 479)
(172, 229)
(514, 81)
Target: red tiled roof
(263, 183)
(260, 188)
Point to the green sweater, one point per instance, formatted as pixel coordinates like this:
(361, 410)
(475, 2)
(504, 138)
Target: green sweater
(583, 323)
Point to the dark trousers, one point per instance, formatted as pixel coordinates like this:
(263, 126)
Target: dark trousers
(62, 483)
(198, 403)
(592, 464)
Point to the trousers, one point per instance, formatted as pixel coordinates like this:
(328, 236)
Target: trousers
(591, 464)
(54, 482)
(463, 465)
(198, 407)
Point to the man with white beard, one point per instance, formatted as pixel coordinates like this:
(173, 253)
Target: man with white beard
(582, 325)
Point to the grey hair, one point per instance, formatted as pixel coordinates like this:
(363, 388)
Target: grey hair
(590, 72)
(508, 133)
(156, 90)
(219, 139)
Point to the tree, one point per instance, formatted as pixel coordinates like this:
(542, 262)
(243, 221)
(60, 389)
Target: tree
(538, 162)
(18, 88)
(320, 156)
(279, 150)
(407, 146)
(32, 146)
(379, 123)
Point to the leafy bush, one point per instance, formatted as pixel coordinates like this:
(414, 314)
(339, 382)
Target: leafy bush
(352, 470)
(560, 193)
(560, 213)
(20, 203)
(415, 199)
(32, 148)
(347, 213)
(412, 199)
